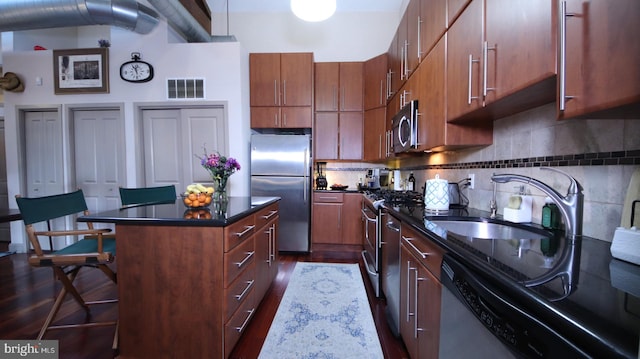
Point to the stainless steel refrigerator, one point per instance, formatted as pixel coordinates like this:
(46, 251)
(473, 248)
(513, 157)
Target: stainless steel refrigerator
(281, 166)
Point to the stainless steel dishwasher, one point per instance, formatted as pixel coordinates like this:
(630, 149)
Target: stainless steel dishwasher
(390, 269)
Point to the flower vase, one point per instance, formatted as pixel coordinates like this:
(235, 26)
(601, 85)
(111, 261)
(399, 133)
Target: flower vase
(219, 190)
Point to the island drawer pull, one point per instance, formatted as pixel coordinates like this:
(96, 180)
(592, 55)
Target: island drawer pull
(247, 230)
(270, 214)
(249, 285)
(249, 255)
(246, 321)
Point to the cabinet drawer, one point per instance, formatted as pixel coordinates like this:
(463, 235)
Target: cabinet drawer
(237, 260)
(234, 328)
(238, 232)
(264, 216)
(427, 252)
(239, 290)
(328, 197)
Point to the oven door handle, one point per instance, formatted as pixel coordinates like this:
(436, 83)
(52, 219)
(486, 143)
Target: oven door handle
(366, 264)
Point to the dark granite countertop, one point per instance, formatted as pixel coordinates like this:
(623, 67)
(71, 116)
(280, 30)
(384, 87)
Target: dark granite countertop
(602, 313)
(176, 213)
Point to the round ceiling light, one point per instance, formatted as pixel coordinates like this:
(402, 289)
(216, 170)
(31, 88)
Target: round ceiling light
(313, 10)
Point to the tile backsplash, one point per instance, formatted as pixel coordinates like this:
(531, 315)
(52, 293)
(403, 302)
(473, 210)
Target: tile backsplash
(601, 154)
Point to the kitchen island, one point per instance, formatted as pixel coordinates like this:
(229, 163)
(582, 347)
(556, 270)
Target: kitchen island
(188, 283)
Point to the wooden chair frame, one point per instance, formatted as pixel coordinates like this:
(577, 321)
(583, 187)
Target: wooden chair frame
(95, 252)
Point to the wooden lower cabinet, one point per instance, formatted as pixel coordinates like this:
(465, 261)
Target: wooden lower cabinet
(266, 246)
(336, 218)
(420, 295)
(190, 291)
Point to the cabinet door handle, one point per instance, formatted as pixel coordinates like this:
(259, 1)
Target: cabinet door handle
(408, 294)
(272, 243)
(416, 329)
(419, 35)
(247, 230)
(271, 214)
(246, 289)
(241, 263)
(485, 59)
(409, 240)
(275, 92)
(246, 321)
(284, 92)
(562, 76)
(391, 226)
(471, 61)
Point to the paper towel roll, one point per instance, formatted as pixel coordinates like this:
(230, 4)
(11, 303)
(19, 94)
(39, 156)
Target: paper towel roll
(397, 181)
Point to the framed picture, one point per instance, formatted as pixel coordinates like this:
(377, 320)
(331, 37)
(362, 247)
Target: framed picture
(81, 71)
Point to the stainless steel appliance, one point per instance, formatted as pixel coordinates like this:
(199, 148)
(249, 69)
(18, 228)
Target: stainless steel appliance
(371, 240)
(476, 312)
(281, 166)
(405, 128)
(390, 269)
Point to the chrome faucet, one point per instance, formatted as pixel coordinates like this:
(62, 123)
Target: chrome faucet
(571, 207)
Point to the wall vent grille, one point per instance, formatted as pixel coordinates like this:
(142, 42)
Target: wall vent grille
(180, 89)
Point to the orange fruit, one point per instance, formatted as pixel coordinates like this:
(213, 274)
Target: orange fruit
(207, 200)
(187, 201)
(192, 196)
(195, 203)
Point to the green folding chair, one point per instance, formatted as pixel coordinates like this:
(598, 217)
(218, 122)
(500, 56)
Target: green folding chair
(147, 195)
(96, 252)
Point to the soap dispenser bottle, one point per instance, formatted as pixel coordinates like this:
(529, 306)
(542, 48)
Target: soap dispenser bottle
(550, 215)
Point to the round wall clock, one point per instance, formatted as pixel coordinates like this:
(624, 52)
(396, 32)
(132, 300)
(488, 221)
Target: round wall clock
(136, 70)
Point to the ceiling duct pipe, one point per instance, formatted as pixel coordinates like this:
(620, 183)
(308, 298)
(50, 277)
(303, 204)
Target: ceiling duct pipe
(16, 15)
(182, 20)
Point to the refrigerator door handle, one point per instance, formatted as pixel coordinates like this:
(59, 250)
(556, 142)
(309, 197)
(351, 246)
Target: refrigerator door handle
(305, 189)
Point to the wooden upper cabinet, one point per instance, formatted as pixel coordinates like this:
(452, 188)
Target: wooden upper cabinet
(339, 86)
(520, 49)
(327, 83)
(281, 79)
(602, 57)
(464, 52)
(375, 82)
(281, 117)
(413, 23)
(264, 71)
(325, 135)
(394, 68)
(351, 128)
(374, 138)
(351, 86)
(403, 47)
(433, 24)
(454, 9)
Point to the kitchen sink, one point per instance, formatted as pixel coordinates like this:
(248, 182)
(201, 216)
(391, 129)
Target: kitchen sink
(490, 230)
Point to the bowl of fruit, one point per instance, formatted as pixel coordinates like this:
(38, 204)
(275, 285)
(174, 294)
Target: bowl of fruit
(197, 196)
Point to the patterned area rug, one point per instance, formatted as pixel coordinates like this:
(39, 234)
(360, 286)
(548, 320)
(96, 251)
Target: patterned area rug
(325, 314)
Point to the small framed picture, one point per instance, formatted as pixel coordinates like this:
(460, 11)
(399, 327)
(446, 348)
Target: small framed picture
(81, 71)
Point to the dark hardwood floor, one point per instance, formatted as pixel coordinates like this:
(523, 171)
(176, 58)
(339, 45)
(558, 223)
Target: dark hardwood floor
(27, 294)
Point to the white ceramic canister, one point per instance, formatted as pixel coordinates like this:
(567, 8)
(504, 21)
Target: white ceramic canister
(436, 196)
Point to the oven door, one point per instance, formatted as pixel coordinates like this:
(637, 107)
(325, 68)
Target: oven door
(476, 313)
(371, 252)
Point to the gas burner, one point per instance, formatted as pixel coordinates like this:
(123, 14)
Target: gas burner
(398, 198)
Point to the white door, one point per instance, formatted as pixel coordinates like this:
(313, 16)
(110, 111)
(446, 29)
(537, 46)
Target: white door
(43, 153)
(44, 162)
(5, 233)
(172, 140)
(99, 157)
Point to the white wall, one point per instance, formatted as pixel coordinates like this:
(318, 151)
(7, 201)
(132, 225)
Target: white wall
(225, 66)
(345, 36)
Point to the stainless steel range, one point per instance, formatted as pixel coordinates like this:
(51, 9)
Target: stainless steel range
(379, 256)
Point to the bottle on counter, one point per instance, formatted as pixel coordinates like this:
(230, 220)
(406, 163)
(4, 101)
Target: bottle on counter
(411, 183)
(550, 215)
